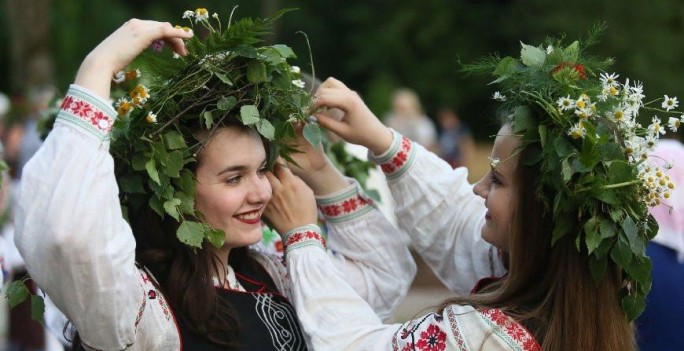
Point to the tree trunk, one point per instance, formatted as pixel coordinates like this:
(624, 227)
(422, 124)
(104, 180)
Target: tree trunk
(31, 62)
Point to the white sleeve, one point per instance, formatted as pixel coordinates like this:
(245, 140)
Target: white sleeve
(437, 208)
(70, 229)
(367, 249)
(334, 317)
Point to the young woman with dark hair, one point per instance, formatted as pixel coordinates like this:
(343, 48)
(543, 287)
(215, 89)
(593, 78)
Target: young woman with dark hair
(150, 284)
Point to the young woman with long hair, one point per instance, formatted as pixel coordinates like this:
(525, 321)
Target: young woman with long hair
(565, 201)
(153, 282)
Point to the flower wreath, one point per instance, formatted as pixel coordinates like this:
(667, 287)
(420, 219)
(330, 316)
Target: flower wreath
(226, 75)
(592, 152)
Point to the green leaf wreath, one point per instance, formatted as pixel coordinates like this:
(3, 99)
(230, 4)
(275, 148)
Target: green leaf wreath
(592, 153)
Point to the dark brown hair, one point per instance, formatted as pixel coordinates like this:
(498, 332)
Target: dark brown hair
(549, 289)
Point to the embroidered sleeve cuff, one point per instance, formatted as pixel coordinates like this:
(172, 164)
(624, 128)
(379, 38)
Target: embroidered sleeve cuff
(303, 236)
(84, 109)
(397, 159)
(344, 205)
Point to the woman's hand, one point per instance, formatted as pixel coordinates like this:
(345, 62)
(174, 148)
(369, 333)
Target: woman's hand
(313, 166)
(358, 124)
(293, 204)
(121, 47)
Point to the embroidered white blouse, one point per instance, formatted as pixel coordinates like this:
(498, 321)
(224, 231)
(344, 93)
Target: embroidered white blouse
(81, 251)
(438, 209)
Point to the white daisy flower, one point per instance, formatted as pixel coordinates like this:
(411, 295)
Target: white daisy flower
(151, 118)
(201, 14)
(670, 103)
(674, 123)
(298, 83)
(295, 69)
(565, 103)
(494, 162)
(188, 14)
(549, 49)
(609, 80)
(577, 131)
(498, 96)
(655, 128)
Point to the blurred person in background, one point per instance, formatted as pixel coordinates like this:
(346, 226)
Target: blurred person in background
(407, 118)
(455, 140)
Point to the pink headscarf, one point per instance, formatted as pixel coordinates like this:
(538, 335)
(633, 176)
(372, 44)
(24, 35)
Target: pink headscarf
(671, 222)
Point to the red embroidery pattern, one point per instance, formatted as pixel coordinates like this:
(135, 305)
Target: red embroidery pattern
(351, 205)
(514, 330)
(164, 306)
(432, 339)
(399, 159)
(304, 236)
(140, 312)
(88, 113)
(451, 316)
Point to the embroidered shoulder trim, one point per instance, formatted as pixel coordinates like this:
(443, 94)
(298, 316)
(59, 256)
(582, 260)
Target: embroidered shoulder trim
(303, 236)
(395, 161)
(79, 107)
(346, 205)
(512, 332)
(456, 330)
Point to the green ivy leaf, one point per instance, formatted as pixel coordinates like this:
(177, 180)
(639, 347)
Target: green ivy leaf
(630, 231)
(532, 56)
(621, 254)
(266, 129)
(633, 306)
(256, 72)
(591, 230)
(17, 293)
(224, 78)
(313, 134)
(249, 114)
(131, 183)
(226, 103)
(174, 140)
(597, 267)
(174, 164)
(37, 308)
(156, 204)
(208, 119)
(151, 168)
(191, 233)
(138, 162)
(607, 229)
(284, 51)
(171, 207)
(216, 237)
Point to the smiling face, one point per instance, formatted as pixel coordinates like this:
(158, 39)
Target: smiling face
(232, 189)
(499, 189)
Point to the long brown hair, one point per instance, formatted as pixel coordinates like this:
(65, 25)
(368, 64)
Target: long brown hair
(185, 276)
(549, 289)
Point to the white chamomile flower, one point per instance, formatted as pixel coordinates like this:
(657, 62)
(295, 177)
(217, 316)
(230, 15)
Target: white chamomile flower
(201, 14)
(565, 103)
(295, 69)
(176, 56)
(498, 96)
(151, 118)
(119, 77)
(674, 123)
(298, 83)
(549, 49)
(655, 128)
(670, 103)
(188, 14)
(577, 131)
(609, 80)
(215, 16)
